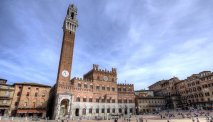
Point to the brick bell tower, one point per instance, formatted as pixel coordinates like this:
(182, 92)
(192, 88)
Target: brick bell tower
(62, 107)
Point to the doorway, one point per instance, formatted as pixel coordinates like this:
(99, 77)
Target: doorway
(64, 107)
(77, 112)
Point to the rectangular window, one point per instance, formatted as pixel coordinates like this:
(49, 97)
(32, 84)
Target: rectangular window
(124, 89)
(84, 99)
(79, 85)
(108, 88)
(130, 101)
(102, 100)
(90, 99)
(103, 88)
(208, 99)
(207, 93)
(130, 110)
(119, 101)
(91, 86)
(119, 89)
(97, 87)
(102, 110)
(85, 86)
(125, 101)
(113, 89)
(108, 100)
(113, 100)
(97, 110)
(78, 99)
(113, 110)
(97, 100)
(84, 111)
(36, 94)
(90, 110)
(108, 110)
(120, 110)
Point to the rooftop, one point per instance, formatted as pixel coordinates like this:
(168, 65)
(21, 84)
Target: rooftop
(32, 84)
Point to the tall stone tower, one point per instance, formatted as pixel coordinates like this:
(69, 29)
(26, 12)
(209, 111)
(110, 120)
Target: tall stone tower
(62, 107)
(65, 64)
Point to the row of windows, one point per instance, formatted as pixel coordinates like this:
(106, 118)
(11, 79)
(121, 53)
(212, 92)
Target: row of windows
(197, 100)
(150, 101)
(103, 100)
(26, 104)
(207, 85)
(207, 78)
(28, 94)
(102, 88)
(198, 95)
(97, 110)
(20, 87)
(124, 89)
(193, 83)
(97, 87)
(98, 78)
(194, 89)
(197, 89)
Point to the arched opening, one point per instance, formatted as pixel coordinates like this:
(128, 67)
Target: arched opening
(125, 112)
(64, 107)
(72, 15)
(84, 111)
(76, 112)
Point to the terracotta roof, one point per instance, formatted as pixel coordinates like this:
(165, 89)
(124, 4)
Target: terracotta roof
(31, 84)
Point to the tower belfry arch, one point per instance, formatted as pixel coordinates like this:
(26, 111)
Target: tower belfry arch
(62, 90)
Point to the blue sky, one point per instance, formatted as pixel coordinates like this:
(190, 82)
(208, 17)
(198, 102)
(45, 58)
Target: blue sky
(146, 40)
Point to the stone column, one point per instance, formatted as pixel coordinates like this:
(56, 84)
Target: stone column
(80, 111)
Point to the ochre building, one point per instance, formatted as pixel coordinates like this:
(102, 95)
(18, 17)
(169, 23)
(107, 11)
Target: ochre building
(194, 92)
(146, 102)
(29, 99)
(6, 96)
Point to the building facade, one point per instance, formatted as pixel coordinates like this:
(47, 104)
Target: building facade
(168, 89)
(29, 99)
(97, 94)
(146, 102)
(6, 95)
(196, 91)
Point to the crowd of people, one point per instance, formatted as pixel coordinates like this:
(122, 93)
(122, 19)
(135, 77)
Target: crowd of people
(180, 114)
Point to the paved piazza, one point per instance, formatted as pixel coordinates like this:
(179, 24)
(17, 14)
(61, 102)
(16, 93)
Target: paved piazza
(164, 116)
